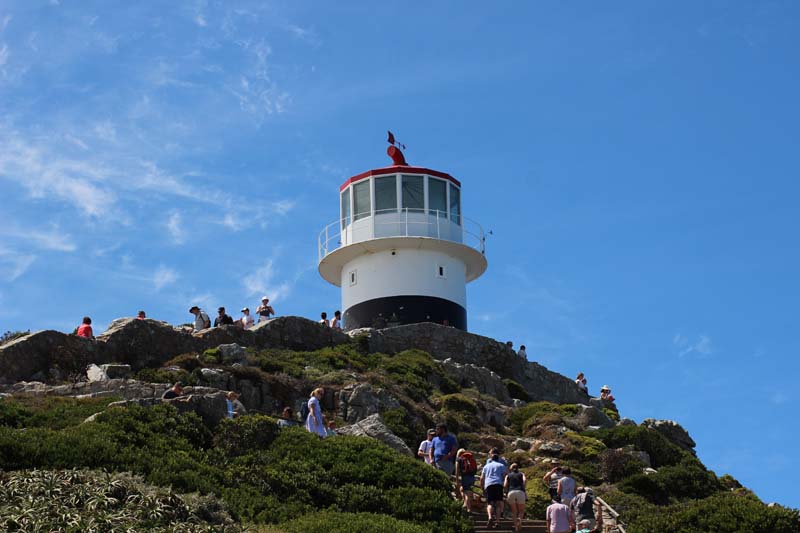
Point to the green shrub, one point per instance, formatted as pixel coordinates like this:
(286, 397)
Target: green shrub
(187, 361)
(246, 434)
(515, 390)
(458, 403)
(724, 511)
(53, 412)
(532, 413)
(586, 447)
(79, 500)
(613, 414)
(662, 452)
(212, 356)
(162, 375)
(333, 522)
(412, 431)
(415, 372)
(616, 465)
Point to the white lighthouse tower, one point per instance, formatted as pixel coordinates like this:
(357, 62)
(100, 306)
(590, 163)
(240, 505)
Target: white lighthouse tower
(402, 251)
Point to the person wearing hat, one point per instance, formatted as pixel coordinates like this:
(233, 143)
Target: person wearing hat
(425, 446)
(173, 392)
(247, 320)
(222, 319)
(552, 478)
(201, 320)
(264, 310)
(605, 394)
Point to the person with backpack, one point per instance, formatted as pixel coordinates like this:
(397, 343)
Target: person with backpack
(515, 494)
(585, 508)
(466, 467)
(493, 477)
(201, 320)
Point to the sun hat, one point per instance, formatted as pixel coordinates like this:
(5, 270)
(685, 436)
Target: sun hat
(245, 309)
(264, 298)
(605, 387)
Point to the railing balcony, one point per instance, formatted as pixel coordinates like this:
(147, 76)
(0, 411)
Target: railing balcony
(404, 222)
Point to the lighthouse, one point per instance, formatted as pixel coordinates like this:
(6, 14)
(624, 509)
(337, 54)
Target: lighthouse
(402, 251)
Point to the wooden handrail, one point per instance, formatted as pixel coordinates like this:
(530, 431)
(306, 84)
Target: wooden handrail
(612, 512)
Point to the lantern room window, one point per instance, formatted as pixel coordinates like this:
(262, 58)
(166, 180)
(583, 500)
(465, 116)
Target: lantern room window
(413, 193)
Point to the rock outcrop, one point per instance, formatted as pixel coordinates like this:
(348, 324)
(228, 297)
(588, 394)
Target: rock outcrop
(673, 431)
(55, 356)
(373, 427)
(477, 377)
(588, 416)
(357, 402)
(465, 348)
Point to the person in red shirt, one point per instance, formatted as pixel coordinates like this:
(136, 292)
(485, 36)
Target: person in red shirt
(85, 329)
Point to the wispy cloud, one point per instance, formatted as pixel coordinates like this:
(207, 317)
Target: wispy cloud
(701, 346)
(14, 264)
(164, 276)
(4, 53)
(54, 238)
(262, 282)
(174, 226)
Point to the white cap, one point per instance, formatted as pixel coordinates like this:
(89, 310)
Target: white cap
(264, 298)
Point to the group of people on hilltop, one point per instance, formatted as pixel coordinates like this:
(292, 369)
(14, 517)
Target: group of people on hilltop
(335, 323)
(247, 321)
(605, 392)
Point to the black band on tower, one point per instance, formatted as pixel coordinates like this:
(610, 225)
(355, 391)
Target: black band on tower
(399, 310)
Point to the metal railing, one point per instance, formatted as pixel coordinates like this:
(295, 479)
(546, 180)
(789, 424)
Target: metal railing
(406, 222)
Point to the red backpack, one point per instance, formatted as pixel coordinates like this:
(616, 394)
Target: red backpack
(468, 464)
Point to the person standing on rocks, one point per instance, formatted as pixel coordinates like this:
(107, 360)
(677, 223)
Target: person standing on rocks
(264, 310)
(566, 486)
(85, 329)
(552, 478)
(443, 450)
(515, 492)
(222, 318)
(559, 519)
(141, 315)
(247, 319)
(336, 323)
(173, 392)
(493, 478)
(314, 421)
(523, 353)
(580, 381)
(323, 319)
(426, 446)
(201, 320)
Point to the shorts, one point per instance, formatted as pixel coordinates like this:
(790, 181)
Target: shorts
(467, 480)
(494, 493)
(445, 465)
(554, 494)
(517, 496)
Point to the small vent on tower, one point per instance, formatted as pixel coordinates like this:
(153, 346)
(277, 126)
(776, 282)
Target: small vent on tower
(353, 277)
(440, 272)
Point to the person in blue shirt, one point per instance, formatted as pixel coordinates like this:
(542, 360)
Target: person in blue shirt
(493, 477)
(235, 407)
(443, 450)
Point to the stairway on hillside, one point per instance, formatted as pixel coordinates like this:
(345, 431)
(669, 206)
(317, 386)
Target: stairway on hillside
(506, 524)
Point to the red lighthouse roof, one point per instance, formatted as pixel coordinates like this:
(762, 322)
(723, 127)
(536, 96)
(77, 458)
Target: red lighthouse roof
(399, 169)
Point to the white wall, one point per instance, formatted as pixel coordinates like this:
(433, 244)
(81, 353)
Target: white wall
(410, 272)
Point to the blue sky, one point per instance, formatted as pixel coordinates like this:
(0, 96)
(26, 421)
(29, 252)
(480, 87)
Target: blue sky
(636, 163)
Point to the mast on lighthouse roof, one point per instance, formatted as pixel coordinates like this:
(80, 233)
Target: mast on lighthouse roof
(402, 251)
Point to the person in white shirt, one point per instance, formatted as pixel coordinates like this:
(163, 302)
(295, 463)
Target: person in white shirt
(425, 446)
(247, 320)
(336, 323)
(522, 353)
(324, 319)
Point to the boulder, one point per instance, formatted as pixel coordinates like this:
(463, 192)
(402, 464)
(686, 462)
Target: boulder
(359, 401)
(47, 355)
(95, 373)
(587, 416)
(144, 343)
(673, 431)
(640, 455)
(216, 378)
(212, 408)
(477, 377)
(122, 388)
(116, 371)
(444, 343)
(626, 422)
(295, 333)
(551, 448)
(373, 427)
(232, 353)
(522, 444)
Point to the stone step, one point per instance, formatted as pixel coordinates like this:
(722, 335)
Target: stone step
(507, 525)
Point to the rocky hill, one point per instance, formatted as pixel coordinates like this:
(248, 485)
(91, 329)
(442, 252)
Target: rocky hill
(181, 465)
